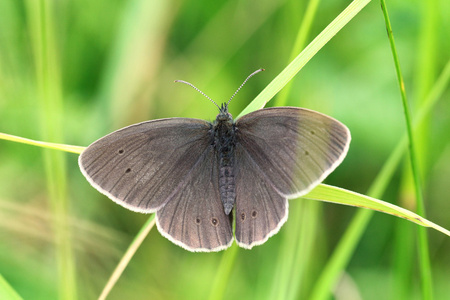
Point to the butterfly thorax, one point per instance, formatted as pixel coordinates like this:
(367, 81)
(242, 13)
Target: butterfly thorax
(224, 142)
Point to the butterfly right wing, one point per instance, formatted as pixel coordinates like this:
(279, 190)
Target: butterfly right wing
(141, 166)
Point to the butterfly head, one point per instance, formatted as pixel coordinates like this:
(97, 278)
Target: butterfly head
(224, 115)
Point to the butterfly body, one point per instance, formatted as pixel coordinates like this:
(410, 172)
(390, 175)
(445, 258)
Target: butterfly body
(224, 144)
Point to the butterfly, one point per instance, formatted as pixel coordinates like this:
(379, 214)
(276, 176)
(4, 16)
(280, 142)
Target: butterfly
(199, 177)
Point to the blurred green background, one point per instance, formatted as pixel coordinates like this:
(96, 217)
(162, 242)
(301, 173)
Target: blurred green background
(73, 71)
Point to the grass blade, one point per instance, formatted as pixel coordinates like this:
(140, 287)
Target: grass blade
(300, 61)
(333, 194)
(299, 44)
(424, 255)
(6, 290)
(142, 234)
(62, 147)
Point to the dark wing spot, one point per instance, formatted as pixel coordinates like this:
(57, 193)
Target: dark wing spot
(243, 216)
(214, 221)
(254, 214)
(313, 132)
(128, 170)
(120, 151)
(306, 153)
(198, 221)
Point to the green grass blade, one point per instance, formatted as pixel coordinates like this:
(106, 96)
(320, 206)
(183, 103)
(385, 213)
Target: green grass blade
(299, 43)
(142, 234)
(300, 61)
(6, 290)
(62, 147)
(333, 194)
(424, 256)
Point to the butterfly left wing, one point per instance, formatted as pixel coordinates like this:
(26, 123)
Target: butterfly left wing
(295, 148)
(194, 217)
(281, 153)
(260, 209)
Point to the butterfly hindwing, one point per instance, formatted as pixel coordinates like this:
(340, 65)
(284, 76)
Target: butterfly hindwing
(260, 209)
(194, 218)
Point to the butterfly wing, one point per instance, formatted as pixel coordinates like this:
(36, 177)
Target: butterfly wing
(260, 209)
(194, 218)
(295, 148)
(283, 153)
(141, 166)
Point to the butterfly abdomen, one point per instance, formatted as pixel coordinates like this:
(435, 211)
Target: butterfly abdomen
(224, 140)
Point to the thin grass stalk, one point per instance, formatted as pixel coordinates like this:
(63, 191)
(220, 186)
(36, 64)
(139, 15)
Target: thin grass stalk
(125, 260)
(56, 146)
(425, 266)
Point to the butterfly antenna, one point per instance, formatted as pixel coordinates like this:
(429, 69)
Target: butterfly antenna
(249, 76)
(191, 85)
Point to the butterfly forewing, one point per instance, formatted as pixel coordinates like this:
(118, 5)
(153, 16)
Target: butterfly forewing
(142, 165)
(194, 218)
(295, 148)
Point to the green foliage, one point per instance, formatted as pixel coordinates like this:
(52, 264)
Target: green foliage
(72, 71)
